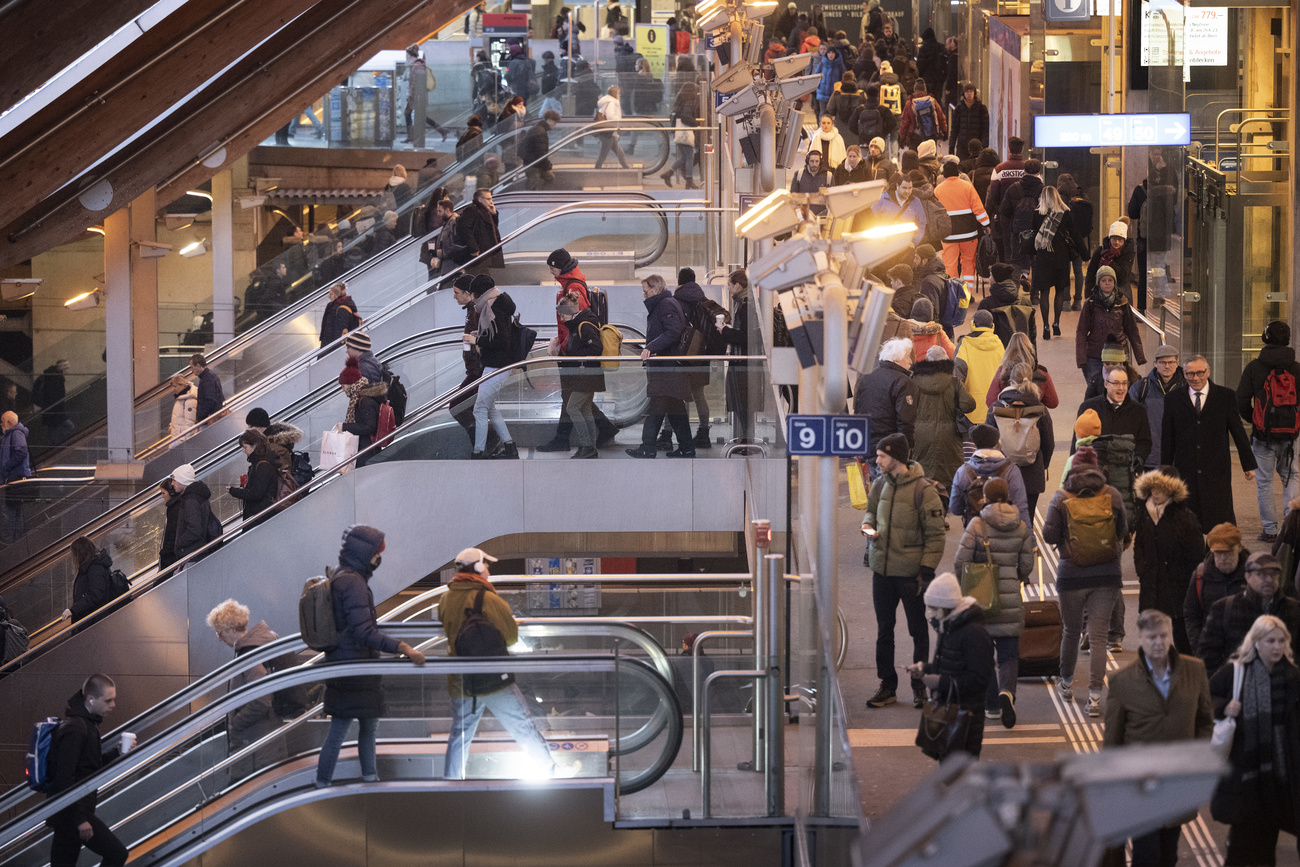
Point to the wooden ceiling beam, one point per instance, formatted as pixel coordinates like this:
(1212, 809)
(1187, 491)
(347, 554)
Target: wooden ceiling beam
(255, 97)
(160, 69)
(41, 38)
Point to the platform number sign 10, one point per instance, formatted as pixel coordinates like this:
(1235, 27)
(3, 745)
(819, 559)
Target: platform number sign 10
(827, 435)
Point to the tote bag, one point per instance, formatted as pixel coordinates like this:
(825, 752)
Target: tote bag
(1226, 728)
(338, 447)
(980, 580)
(857, 487)
(943, 725)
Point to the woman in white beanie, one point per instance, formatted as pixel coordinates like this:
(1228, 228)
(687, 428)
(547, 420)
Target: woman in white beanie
(1115, 251)
(963, 656)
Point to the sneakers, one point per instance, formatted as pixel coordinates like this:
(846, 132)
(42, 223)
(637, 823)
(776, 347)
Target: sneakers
(1094, 704)
(1115, 646)
(1007, 709)
(1065, 689)
(918, 693)
(883, 698)
(1267, 537)
(993, 714)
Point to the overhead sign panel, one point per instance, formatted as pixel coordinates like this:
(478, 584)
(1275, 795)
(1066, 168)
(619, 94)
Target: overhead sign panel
(1067, 10)
(1111, 130)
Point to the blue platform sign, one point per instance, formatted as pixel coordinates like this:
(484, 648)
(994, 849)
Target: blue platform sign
(826, 435)
(1111, 130)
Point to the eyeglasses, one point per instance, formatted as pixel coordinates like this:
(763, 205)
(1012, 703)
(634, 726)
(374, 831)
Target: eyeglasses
(1120, 382)
(1197, 374)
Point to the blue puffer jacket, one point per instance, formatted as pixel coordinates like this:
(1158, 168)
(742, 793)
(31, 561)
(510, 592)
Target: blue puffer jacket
(832, 70)
(359, 635)
(14, 460)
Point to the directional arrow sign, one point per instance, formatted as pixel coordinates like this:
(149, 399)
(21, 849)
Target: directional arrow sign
(1111, 130)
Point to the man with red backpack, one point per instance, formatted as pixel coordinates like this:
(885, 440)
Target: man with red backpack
(564, 268)
(1267, 398)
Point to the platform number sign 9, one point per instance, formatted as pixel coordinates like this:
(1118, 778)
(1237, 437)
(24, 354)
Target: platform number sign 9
(827, 435)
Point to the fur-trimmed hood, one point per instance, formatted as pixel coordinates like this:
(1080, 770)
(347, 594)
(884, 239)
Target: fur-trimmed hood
(925, 327)
(284, 435)
(1156, 480)
(363, 388)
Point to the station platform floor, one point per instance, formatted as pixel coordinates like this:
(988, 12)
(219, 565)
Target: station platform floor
(888, 764)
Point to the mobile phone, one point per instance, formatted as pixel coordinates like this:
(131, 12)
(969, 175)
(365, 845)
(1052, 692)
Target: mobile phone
(869, 531)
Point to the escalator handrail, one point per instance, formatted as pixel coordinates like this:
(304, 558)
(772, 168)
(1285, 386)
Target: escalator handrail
(231, 527)
(169, 739)
(203, 464)
(594, 128)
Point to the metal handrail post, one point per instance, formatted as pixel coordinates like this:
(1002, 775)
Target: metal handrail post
(762, 540)
(695, 685)
(774, 759)
(706, 783)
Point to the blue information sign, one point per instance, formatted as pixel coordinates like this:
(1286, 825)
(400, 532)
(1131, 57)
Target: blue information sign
(827, 435)
(1111, 130)
(1067, 10)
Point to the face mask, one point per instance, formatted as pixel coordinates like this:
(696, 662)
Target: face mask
(375, 562)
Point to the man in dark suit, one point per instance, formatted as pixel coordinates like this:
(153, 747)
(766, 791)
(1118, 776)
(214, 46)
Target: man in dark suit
(1198, 421)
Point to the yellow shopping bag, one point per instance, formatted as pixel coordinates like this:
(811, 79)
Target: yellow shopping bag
(857, 487)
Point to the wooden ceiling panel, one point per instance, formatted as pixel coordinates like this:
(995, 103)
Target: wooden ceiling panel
(238, 110)
(40, 38)
(151, 75)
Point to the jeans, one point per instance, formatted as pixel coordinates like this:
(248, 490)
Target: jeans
(886, 592)
(1091, 368)
(66, 845)
(1098, 603)
(1273, 457)
(1158, 848)
(675, 410)
(584, 425)
(329, 750)
(485, 409)
(608, 143)
(565, 427)
(685, 162)
(509, 709)
(1050, 273)
(1007, 649)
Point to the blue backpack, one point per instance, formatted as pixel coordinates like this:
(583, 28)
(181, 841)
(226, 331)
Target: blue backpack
(924, 109)
(38, 754)
(955, 303)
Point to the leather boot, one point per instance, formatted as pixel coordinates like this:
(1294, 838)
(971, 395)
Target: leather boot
(508, 451)
(702, 440)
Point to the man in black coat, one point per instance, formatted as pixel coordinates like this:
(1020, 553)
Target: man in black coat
(211, 397)
(888, 397)
(1120, 415)
(1222, 573)
(970, 119)
(533, 149)
(1232, 616)
(194, 515)
(1273, 441)
(357, 698)
(76, 753)
(1198, 421)
(667, 385)
(479, 232)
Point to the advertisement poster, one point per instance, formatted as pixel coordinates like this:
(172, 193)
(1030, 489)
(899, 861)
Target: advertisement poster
(1205, 36)
(652, 44)
(1004, 84)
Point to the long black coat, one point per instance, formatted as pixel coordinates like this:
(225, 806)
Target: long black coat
(262, 484)
(478, 230)
(1236, 798)
(359, 638)
(91, 589)
(1197, 446)
(968, 122)
(664, 323)
(1165, 554)
(736, 336)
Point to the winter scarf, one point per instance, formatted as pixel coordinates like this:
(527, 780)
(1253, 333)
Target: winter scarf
(1109, 254)
(353, 391)
(1047, 231)
(487, 320)
(1263, 732)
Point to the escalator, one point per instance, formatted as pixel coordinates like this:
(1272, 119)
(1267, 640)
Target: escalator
(375, 277)
(274, 368)
(612, 713)
(428, 507)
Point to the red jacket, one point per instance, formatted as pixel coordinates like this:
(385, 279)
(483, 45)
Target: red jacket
(570, 281)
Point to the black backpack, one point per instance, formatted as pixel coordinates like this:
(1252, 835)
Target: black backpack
(869, 123)
(975, 493)
(478, 638)
(118, 585)
(14, 637)
(293, 701)
(303, 471)
(396, 396)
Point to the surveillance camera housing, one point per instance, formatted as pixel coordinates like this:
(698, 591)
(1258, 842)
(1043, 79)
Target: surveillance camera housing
(743, 101)
(849, 199)
(153, 249)
(790, 264)
(735, 78)
(797, 88)
(785, 67)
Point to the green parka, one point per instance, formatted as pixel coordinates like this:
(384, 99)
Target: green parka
(907, 538)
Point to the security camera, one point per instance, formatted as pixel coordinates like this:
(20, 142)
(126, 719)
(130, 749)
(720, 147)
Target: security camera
(746, 100)
(784, 67)
(734, 79)
(153, 249)
(797, 88)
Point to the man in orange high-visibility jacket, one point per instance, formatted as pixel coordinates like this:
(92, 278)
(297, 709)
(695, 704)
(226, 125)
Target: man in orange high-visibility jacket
(966, 212)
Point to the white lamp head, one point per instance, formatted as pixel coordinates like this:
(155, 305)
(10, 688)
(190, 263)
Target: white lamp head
(84, 301)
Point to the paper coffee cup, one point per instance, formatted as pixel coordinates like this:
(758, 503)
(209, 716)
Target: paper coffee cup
(128, 742)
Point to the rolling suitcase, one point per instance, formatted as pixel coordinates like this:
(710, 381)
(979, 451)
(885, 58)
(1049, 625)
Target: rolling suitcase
(1040, 642)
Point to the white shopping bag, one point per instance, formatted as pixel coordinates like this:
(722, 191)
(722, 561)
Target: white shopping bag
(338, 447)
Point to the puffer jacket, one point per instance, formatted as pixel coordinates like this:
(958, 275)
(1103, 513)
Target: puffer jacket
(963, 655)
(1209, 585)
(185, 409)
(987, 464)
(192, 518)
(1034, 475)
(931, 280)
(1251, 386)
(940, 398)
(665, 320)
(1122, 264)
(1100, 318)
(888, 397)
(1084, 480)
(1011, 547)
(982, 351)
(1165, 554)
(927, 334)
(906, 539)
(359, 634)
(460, 595)
(92, 589)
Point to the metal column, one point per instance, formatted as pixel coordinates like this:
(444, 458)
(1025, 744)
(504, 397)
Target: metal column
(117, 337)
(774, 701)
(762, 529)
(223, 257)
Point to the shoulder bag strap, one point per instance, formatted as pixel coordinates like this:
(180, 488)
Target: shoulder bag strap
(1238, 675)
(478, 600)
